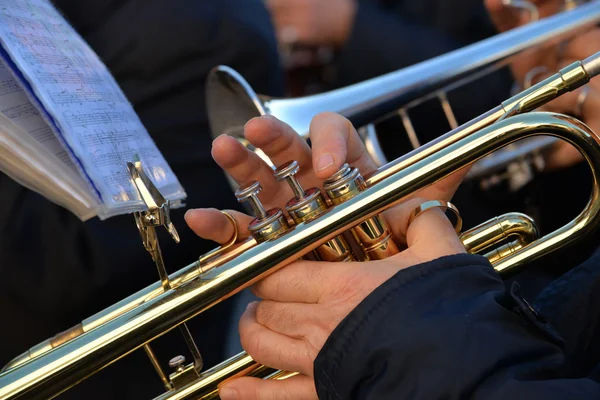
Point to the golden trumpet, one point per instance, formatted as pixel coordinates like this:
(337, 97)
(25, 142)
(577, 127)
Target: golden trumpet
(56, 365)
(326, 223)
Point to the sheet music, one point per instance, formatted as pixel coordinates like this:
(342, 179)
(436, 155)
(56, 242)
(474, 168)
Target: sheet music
(85, 107)
(27, 163)
(16, 107)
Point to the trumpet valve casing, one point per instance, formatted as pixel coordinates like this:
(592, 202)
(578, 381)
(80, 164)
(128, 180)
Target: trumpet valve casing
(374, 234)
(308, 205)
(273, 225)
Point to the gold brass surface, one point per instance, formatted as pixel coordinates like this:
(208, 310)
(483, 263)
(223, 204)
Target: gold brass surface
(517, 226)
(64, 366)
(273, 224)
(308, 205)
(207, 386)
(156, 365)
(268, 224)
(183, 375)
(566, 80)
(374, 234)
(150, 313)
(524, 102)
(503, 251)
(281, 375)
(222, 249)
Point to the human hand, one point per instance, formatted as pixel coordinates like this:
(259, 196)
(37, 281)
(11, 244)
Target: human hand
(582, 103)
(334, 142)
(304, 302)
(312, 22)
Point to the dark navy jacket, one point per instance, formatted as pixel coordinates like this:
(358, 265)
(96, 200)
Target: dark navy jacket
(452, 329)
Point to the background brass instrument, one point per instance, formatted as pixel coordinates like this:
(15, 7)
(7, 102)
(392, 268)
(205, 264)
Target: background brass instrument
(232, 102)
(510, 241)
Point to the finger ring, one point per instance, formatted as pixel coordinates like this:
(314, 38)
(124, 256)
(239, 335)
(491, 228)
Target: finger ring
(580, 100)
(219, 250)
(445, 205)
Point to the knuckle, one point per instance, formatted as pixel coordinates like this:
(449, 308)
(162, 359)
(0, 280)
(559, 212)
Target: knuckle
(251, 342)
(261, 313)
(332, 320)
(329, 118)
(276, 316)
(281, 143)
(586, 43)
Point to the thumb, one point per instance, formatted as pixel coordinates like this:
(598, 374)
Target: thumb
(211, 224)
(299, 387)
(431, 235)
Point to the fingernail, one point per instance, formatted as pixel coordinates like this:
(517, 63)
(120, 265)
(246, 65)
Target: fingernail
(228, 394)
(219, 138)
(250, 121)
(188, 213)
(252, 305)
(325, 161)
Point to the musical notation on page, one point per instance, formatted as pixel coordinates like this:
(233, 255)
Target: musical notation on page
(16, 107)
(95, 128)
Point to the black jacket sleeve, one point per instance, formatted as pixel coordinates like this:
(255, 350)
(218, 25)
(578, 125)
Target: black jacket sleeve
(447, 329)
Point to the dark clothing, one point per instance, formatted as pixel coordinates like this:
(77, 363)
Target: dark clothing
(450, 329)
(392, 34)
(57, 270)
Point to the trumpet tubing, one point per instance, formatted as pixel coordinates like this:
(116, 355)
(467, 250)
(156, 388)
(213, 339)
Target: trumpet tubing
(55, 371)
(504, 235)
(339, 222)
